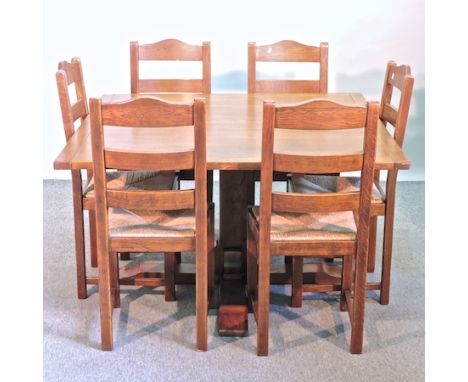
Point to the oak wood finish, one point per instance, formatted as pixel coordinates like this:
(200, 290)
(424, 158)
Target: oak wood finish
(287, 51)
(173, 50)
(135, 112)
(395, 77)
(259, 229)
(234, 125)
(70, 73)
(170, 50)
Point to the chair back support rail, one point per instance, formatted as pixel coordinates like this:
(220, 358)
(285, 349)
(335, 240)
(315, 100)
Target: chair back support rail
(287, 51)
(170, 50)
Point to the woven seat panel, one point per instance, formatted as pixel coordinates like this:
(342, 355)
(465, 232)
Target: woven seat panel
(292, 226)
(313, 184)
(145, 223)
(136, 180)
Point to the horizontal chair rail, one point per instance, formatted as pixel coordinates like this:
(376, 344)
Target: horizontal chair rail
(124, 160)
(329, 202)
(153, 200)
(317, 164)
(147, 112)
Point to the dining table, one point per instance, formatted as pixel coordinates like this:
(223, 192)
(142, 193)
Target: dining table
(233, 134)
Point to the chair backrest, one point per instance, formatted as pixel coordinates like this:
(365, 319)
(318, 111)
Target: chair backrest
(71, 73)
(288, 51)
(170, 50)
(397, 77)
(148, 112)
(317, 114)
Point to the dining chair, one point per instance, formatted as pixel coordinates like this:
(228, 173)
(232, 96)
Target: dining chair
(74, 109)
(172, 50)
(287, 51)
(151, 220)
(312, 225)
(383, 202)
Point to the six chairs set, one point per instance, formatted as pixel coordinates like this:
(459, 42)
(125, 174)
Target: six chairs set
(135, 203)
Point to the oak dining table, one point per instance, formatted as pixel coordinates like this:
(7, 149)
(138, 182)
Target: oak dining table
(234, 125)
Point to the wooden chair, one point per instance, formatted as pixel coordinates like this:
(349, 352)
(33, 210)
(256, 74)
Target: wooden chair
(70, 73)
(383, 202)
(172, 50)
(312, 225)
(287, 51)
(151, 220)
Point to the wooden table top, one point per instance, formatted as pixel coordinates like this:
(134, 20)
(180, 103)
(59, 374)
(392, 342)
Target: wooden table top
(234, 126)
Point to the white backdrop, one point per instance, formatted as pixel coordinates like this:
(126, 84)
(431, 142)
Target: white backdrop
(363, 35)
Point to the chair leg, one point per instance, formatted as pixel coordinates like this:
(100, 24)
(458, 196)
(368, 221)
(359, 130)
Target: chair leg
(359, 301)
(252, 269)
(263, 315)
(169, 276)
(297, 281)
(92, 238)
(372, 244)
(388, 238)
(115, 284)
(346, 280)
(79, 236)
(201, 296)
(105, 301)
(211, 261)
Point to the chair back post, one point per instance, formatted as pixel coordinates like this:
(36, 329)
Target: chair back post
(252, 67)
(323, 78)
(201, 219)
(206, 62)
(134, 67)
(102, 243)
(403, 109)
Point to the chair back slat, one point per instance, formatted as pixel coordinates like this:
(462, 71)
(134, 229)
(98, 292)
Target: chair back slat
(147, 112)
(397, 77)
(161, 200)
(171, 86)
(79, 109)
(330, 202)
(389, 114)
(287, 86)
(170, 50)
(287, 51)
(320, 114)
(145, 161)
(71, 73)
(301, 164)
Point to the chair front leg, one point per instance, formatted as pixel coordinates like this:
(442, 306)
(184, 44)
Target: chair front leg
(359, 301)
(346, 280)
(372, 244)
(169, 276)
(263, 315)
(252, 269)
(297, 281)
(79, 235)
(201, 295)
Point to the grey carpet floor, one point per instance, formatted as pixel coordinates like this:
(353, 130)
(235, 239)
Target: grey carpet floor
(154, 340)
